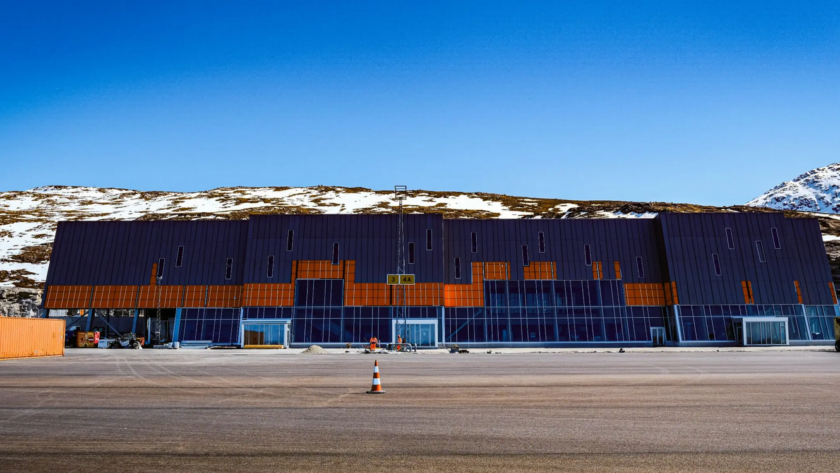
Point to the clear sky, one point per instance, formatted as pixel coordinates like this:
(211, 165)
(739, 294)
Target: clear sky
(709, 102)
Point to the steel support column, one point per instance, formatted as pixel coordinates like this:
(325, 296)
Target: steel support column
(177, 326)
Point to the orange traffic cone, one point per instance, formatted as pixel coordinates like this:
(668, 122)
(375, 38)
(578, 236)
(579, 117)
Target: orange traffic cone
(376, 387)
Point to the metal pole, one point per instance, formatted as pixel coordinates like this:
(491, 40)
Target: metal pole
(157, 315)
(399, 195)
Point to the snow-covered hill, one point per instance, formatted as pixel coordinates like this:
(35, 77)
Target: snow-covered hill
(815, 191)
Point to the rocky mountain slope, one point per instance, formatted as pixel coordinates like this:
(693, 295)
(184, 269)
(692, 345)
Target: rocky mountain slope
(28, 218)
(817, 190)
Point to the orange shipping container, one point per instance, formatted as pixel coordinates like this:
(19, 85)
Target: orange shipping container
(22, 337)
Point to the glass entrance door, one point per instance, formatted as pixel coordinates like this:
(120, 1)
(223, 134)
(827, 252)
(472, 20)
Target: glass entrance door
(264, 334)
(416, 332)
(657, 334)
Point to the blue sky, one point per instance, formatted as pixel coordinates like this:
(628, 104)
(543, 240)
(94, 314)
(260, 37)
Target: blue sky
(706, 102)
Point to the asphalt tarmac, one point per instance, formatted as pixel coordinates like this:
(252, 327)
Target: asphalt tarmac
(214, 410)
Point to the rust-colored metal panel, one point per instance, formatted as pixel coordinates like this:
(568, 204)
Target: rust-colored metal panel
(645, 294)
(224, 296)
(367, 294)
(169, 297)
(320, 270)
(268, 295)
(114, 297)
(68, 297)
(496, 271)
(746, 287)
(617, 270)
(195, 296)
(24, 337)
(420, 294)
(540, 270)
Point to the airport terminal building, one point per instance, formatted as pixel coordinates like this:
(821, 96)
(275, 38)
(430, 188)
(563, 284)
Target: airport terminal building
(296, 280)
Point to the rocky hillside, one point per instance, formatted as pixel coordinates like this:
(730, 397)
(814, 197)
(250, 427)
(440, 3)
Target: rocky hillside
(815, 191)
(28, 218)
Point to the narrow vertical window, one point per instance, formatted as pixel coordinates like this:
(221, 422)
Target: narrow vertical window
(730, 240)
(270, 270)
(411, 253)
(229, 268)
(335, 254)
(474, 242)
(716, 260)
(290, 239)
(457, 268)
(525, 260)
(640, 267)
(429, 240)
(776, 242)
(759, 247)
(587, 255)
(542, 242)
(180, 259)
(161, 262)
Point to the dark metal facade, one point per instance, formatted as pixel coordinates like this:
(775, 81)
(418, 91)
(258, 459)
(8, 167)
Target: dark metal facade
(691, 240)
(369, 240)
(483, 281)
(565, 242)
(122, 253)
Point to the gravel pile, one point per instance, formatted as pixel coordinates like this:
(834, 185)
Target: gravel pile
(314, 350)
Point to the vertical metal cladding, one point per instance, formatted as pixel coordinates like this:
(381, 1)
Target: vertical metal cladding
(563, 257)
(369, 240)
(689, 242)
(122, 253)
(25, 338)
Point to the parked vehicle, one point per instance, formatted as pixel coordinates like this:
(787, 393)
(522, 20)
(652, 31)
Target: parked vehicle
(126, 340)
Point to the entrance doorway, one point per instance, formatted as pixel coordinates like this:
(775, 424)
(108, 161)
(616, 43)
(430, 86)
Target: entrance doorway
(418, 332)
(265, 333)
(761, 330)
(657, 334)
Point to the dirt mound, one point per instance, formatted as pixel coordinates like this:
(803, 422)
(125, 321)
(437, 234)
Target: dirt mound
(314, 350)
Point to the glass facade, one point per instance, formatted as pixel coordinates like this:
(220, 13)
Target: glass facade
(545, 311)
(714, 322)
(320, 317)
(821, 321)
(534, 311)
(216, 325)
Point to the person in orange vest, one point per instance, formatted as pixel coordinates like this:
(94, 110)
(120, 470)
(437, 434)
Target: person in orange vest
(399, 342)
(373, 342)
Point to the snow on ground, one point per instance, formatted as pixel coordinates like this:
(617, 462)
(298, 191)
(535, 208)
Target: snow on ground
(564, 208)
(606, 214)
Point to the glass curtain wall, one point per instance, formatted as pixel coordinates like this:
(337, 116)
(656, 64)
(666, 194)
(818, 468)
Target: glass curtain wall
(553, 311)
(320, 317)
(821, 321)
(318, 307)
(714, 322)
(220, 326)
